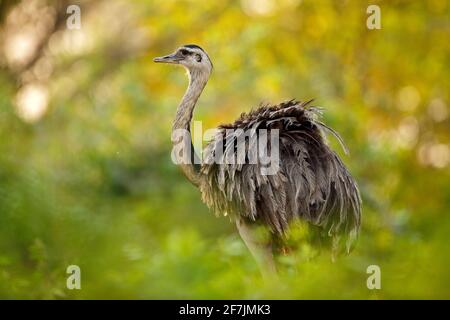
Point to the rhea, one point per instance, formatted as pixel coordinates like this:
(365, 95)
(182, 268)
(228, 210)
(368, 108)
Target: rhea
(311, 183)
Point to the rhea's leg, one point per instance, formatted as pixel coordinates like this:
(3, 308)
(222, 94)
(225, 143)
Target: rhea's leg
(260, 245)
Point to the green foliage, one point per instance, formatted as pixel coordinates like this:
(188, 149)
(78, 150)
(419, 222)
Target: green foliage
(91, 183)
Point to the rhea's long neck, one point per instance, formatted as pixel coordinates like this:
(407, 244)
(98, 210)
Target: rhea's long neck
(184, 152)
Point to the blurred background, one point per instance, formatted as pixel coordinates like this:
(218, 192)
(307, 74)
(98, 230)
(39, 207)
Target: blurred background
(85, 171)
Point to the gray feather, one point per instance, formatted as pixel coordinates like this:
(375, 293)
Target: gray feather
(312, 184)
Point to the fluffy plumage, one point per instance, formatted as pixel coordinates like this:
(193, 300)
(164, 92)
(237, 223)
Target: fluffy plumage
(312, 183)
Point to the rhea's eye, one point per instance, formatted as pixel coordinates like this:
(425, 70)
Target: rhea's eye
(184, 52)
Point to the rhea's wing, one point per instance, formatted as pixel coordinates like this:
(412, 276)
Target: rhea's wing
(312, 183)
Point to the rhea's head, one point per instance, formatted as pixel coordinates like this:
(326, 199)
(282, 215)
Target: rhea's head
(191, 56)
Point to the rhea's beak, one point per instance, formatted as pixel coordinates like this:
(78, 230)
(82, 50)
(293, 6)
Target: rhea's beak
(171, 58)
